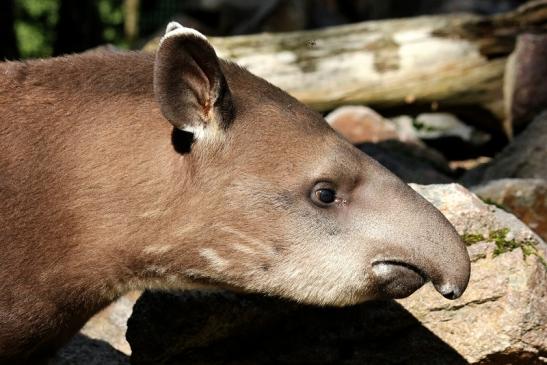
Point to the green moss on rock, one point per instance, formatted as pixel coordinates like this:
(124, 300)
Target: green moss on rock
(472, 238)
(496, 204)
(504, 244)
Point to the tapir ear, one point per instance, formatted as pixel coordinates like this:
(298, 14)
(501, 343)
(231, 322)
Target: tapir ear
(189, 84)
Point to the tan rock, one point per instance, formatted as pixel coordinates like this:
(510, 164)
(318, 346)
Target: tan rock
(110, 324)
(359, 124)
(525, 198)
(502, 316)
(102, 340)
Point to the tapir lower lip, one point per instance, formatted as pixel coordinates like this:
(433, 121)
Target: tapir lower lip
(405, 265)
(397, 279)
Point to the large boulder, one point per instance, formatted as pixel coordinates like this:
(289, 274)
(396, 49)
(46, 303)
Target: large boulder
(500, 319)
(412, 163)
(525, 198)
(359, 124)
(524, 96)
(525, 157)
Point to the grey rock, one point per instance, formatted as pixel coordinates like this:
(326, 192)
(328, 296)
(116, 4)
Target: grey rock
(437, 125)
(410, 162)
(525, 96)
(525, 157)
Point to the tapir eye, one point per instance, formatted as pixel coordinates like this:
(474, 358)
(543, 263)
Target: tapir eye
(323, 195)
(326, 196)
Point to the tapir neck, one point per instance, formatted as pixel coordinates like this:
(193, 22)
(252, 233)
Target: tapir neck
(109, 182)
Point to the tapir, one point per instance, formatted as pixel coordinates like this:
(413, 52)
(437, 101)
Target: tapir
(180, 170)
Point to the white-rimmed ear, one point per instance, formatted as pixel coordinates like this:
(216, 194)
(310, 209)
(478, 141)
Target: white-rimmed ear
(189, 84)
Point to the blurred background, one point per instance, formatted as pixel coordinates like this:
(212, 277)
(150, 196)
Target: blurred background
(433, 89)
(41, 28)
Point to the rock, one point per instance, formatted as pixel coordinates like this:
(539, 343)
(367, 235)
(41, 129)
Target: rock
(410, 162)
(525, 198)
(225, 328)
(438, 125)
(102, 340)
(524, 158)
(524, 96)
(83, 350)
(398, 149)
(359, 124)
(500, 319)
(444, 132)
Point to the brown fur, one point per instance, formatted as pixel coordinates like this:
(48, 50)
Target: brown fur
(95, 200)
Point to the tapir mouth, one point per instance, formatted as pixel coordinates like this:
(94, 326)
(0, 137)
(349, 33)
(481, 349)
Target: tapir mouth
(397, 279)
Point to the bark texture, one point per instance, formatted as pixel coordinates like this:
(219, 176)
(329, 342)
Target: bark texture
(454, 60)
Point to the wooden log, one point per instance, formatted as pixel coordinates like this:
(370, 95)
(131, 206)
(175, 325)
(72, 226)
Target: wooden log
(448, 60)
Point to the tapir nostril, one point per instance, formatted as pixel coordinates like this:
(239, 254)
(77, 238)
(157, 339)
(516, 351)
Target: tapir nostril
(449, 291)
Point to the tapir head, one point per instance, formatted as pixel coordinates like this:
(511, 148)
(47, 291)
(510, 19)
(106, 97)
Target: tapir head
(276, 202)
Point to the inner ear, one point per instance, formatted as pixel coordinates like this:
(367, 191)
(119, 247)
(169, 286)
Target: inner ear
(189, 83)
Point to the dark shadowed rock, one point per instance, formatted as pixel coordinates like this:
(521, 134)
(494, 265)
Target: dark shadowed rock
(525, 157)
(410, 162)
(224, 328)
(500, 319)
(83, 350)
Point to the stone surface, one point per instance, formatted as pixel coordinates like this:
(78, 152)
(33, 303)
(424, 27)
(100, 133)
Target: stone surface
(359, 124)
(525, 157)
(525, 198)
(524, 96)
(102, 340)
(396, 146)
(410, 162)
(225, 328)
(439, 125)
(445, 133)
(83, 350)
(500, 319)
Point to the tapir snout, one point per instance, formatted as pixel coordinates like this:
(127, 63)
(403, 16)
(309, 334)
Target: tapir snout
(416, 243)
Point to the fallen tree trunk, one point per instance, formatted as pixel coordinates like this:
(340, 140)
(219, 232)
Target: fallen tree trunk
(450, 60)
